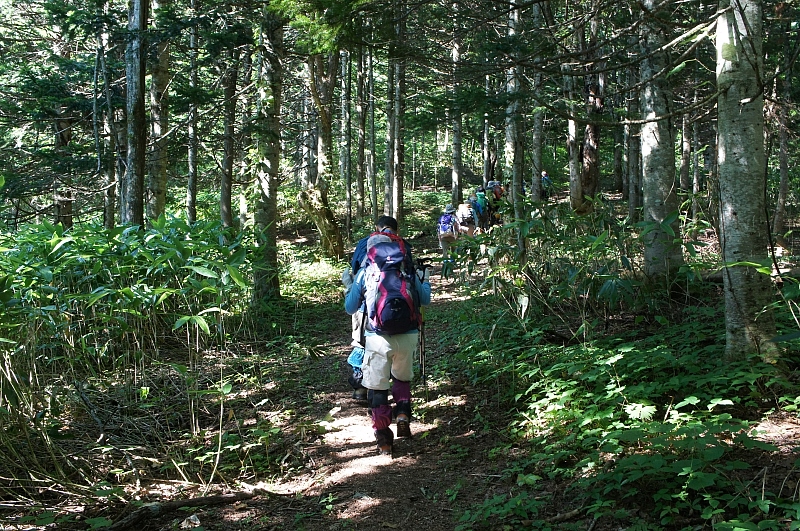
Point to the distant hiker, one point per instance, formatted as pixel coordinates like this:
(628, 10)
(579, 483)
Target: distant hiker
(448, 230)
(495, 194)
(390, 291)
(482, 208)
(466, 217)
(547, 186)
(356, 357)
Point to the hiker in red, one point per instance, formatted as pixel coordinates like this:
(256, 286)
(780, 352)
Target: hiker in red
(390, 291)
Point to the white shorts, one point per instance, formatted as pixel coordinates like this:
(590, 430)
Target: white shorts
(386, 356)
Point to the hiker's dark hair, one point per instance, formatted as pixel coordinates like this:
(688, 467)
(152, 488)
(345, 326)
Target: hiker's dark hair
(386, 222)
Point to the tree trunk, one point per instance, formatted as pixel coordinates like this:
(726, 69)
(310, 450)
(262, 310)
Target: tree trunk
(399, 115)
(590, 150)
(742, 173)
(314, 199)
(132, 186)
(686, 154)
(372, 170)
(487, 139)
(108, 160)
(662, 255)
(230, 79)
(575, 190)
(344, 139)
(632, 145)
(361, 127)
(267, 138)
(514, 145)
(192, 152)
(455, 110)
(159, 117)
(390, 130)
(779, 218)
(537, 126)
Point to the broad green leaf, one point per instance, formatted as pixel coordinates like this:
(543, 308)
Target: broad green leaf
(182, 321)
(693, 400)
(203, 271)
(202, 323)
(233, 271)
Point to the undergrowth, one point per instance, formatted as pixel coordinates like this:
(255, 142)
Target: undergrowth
(618, 390)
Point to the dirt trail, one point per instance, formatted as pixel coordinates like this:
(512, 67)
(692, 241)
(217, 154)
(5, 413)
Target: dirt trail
(427, 482)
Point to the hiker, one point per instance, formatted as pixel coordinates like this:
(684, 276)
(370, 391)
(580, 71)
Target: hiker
(482, 208)
(465, 215)
(547, 186)
(448, 230)
(390, 291)
(358, 319)
(496, 197)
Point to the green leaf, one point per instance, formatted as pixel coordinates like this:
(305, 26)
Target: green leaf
(598, 241)
(713, 453)
(237, 277)
(182, 321)
(693, 400)
(719, 402)
(203, 271)
(200, 321)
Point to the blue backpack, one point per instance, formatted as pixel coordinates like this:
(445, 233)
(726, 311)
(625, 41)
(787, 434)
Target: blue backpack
(446, 227)
(389, 286)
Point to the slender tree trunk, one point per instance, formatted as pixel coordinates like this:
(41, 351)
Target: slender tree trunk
(344, 142)
(455, 110)
(537, 126)
(390, 130)
(633, 145)
(619, 171)
(514, 145)
(230, 80)
(695, 168)
(399, 112)
(159, 114)
(361, 120)
(662, 255)
(194, 143)
(744, 235)
(63, 199)
(269, 91)
(779, 217)
(487, 139)
(575, 189)
(132, 187)
(110, 132)
(686, 154)
(372, 170)
(244, 161)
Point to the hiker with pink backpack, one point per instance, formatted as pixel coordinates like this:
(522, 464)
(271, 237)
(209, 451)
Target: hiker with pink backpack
(390, 291)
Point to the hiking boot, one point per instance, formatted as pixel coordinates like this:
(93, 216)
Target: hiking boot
(360, 394)
(384, 437)
(403, 427)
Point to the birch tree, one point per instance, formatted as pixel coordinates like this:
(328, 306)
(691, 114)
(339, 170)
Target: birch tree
(662, 250)
(749, 325)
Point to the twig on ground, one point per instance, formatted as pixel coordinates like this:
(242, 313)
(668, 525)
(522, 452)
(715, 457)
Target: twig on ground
(154, 509)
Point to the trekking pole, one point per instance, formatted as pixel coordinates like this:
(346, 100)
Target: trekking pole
(422, 353)
(421, 338)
